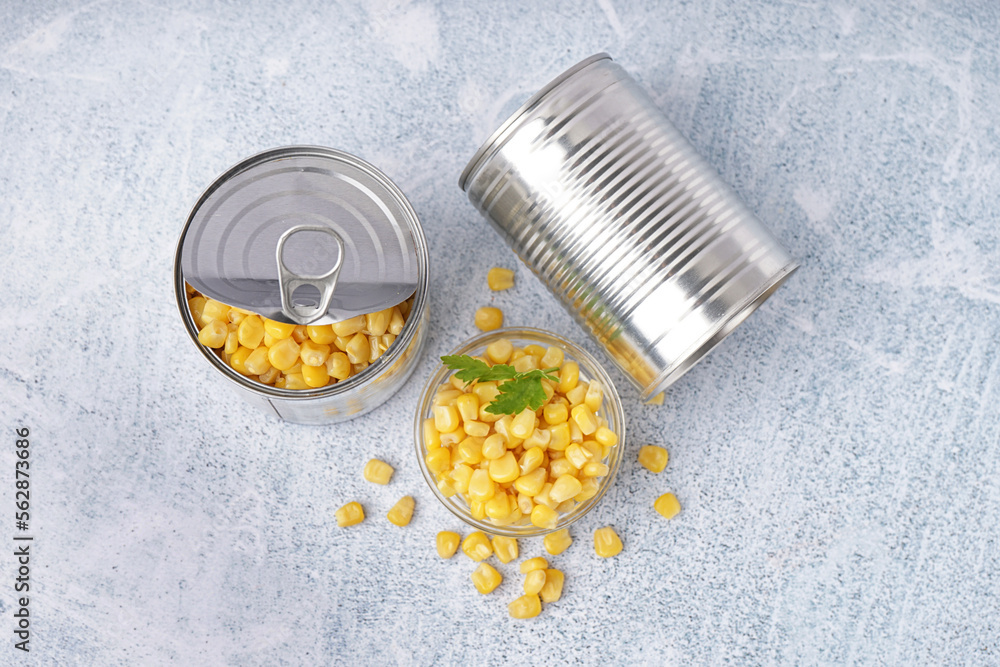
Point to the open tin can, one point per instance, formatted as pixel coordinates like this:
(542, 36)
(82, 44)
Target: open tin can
(308, 235)
(625, 223)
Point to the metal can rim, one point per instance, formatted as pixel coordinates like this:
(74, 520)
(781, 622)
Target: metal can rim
(409, 328)
(510, 125)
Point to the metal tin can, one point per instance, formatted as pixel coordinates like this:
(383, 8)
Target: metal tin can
(245, 216)
(628, 226)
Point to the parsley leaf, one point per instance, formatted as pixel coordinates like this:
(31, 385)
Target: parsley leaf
(517, 390)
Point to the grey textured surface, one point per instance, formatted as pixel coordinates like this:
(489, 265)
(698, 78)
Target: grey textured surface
(836, 457)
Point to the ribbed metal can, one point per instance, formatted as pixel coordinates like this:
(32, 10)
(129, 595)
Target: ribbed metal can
(232, 243)
(629, 227)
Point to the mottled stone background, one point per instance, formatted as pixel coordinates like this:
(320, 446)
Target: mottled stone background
(836, 457)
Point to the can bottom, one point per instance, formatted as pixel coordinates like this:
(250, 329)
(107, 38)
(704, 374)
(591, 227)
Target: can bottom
(719, 333)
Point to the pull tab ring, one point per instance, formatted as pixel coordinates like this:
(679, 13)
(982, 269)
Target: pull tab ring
(288, 282)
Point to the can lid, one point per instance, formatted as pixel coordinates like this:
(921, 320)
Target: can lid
(302, 234)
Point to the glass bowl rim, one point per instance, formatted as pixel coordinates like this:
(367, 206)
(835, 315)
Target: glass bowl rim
(589, 366)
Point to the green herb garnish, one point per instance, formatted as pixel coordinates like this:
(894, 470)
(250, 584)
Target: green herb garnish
(517, 390)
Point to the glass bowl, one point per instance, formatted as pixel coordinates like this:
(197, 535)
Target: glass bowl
(590, 369)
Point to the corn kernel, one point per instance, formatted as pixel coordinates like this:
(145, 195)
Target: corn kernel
(539, 438)
(460, 478)
(552, 590)
(299, 334)
(588, 489)
(477, 428)
(494, 447)
(446, 488)
(378, 472)
(358, 349)
(552, 358)
(377, 323)
(555, 413)
(313, 354)
(197, 306)
(256, 362)
(468, 406)
(445, 418)
(251, 331)
(270, 375)
(667, 505)
(577, 455)
(321, 334)
(505, 548)
(401, 512)
(438, 459)
(477, 509)
(525, 364)
(595, 469)
(486, 392)
(338, 366)
(213, 334)
(561, 437)
(606, 542)
(531, 460)
(469, 451)
(532, 483)
(477, 546)
(499, 351)
(514, 516)
(594, 396)
(488, 318)
(564, 488)
(542, 497)
(295, 381)
(560, 467)
(340, 342)
(577, 394)
(349, 327)
(447, 396)
(396, 321)
(499, 279)
(238, 360)
(585, 419)
(278, 330)
(283, 354)
(534, 581)
(486, 578)
(447, 543)
(544, 517)
(504, 469)
(315, 376)
(232, 341)
(215, 310)
(523, 424)
(350, 514)
(498, 507)
(481, 487)
(569, 376)
(653, 458)
(606, 437)
(526, 606)
(525, 504)
(656, 400)
(532, 564)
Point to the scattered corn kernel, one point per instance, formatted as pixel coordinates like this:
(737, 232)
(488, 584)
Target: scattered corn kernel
(402, 511)
(536, 563)
(350, 514)
(534, 581)
(606, 542)
(378, 472)
(486, 578)
(552, 590)
(447, 543)
(489, 318)
(558, 542)
(653, 458)
(477, 546)
(526, 606)
(667, 505)
(500, 279)
(505, 548)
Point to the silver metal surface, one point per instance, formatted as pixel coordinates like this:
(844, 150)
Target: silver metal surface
(632, 230)
(231, 235)
(358, 394)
